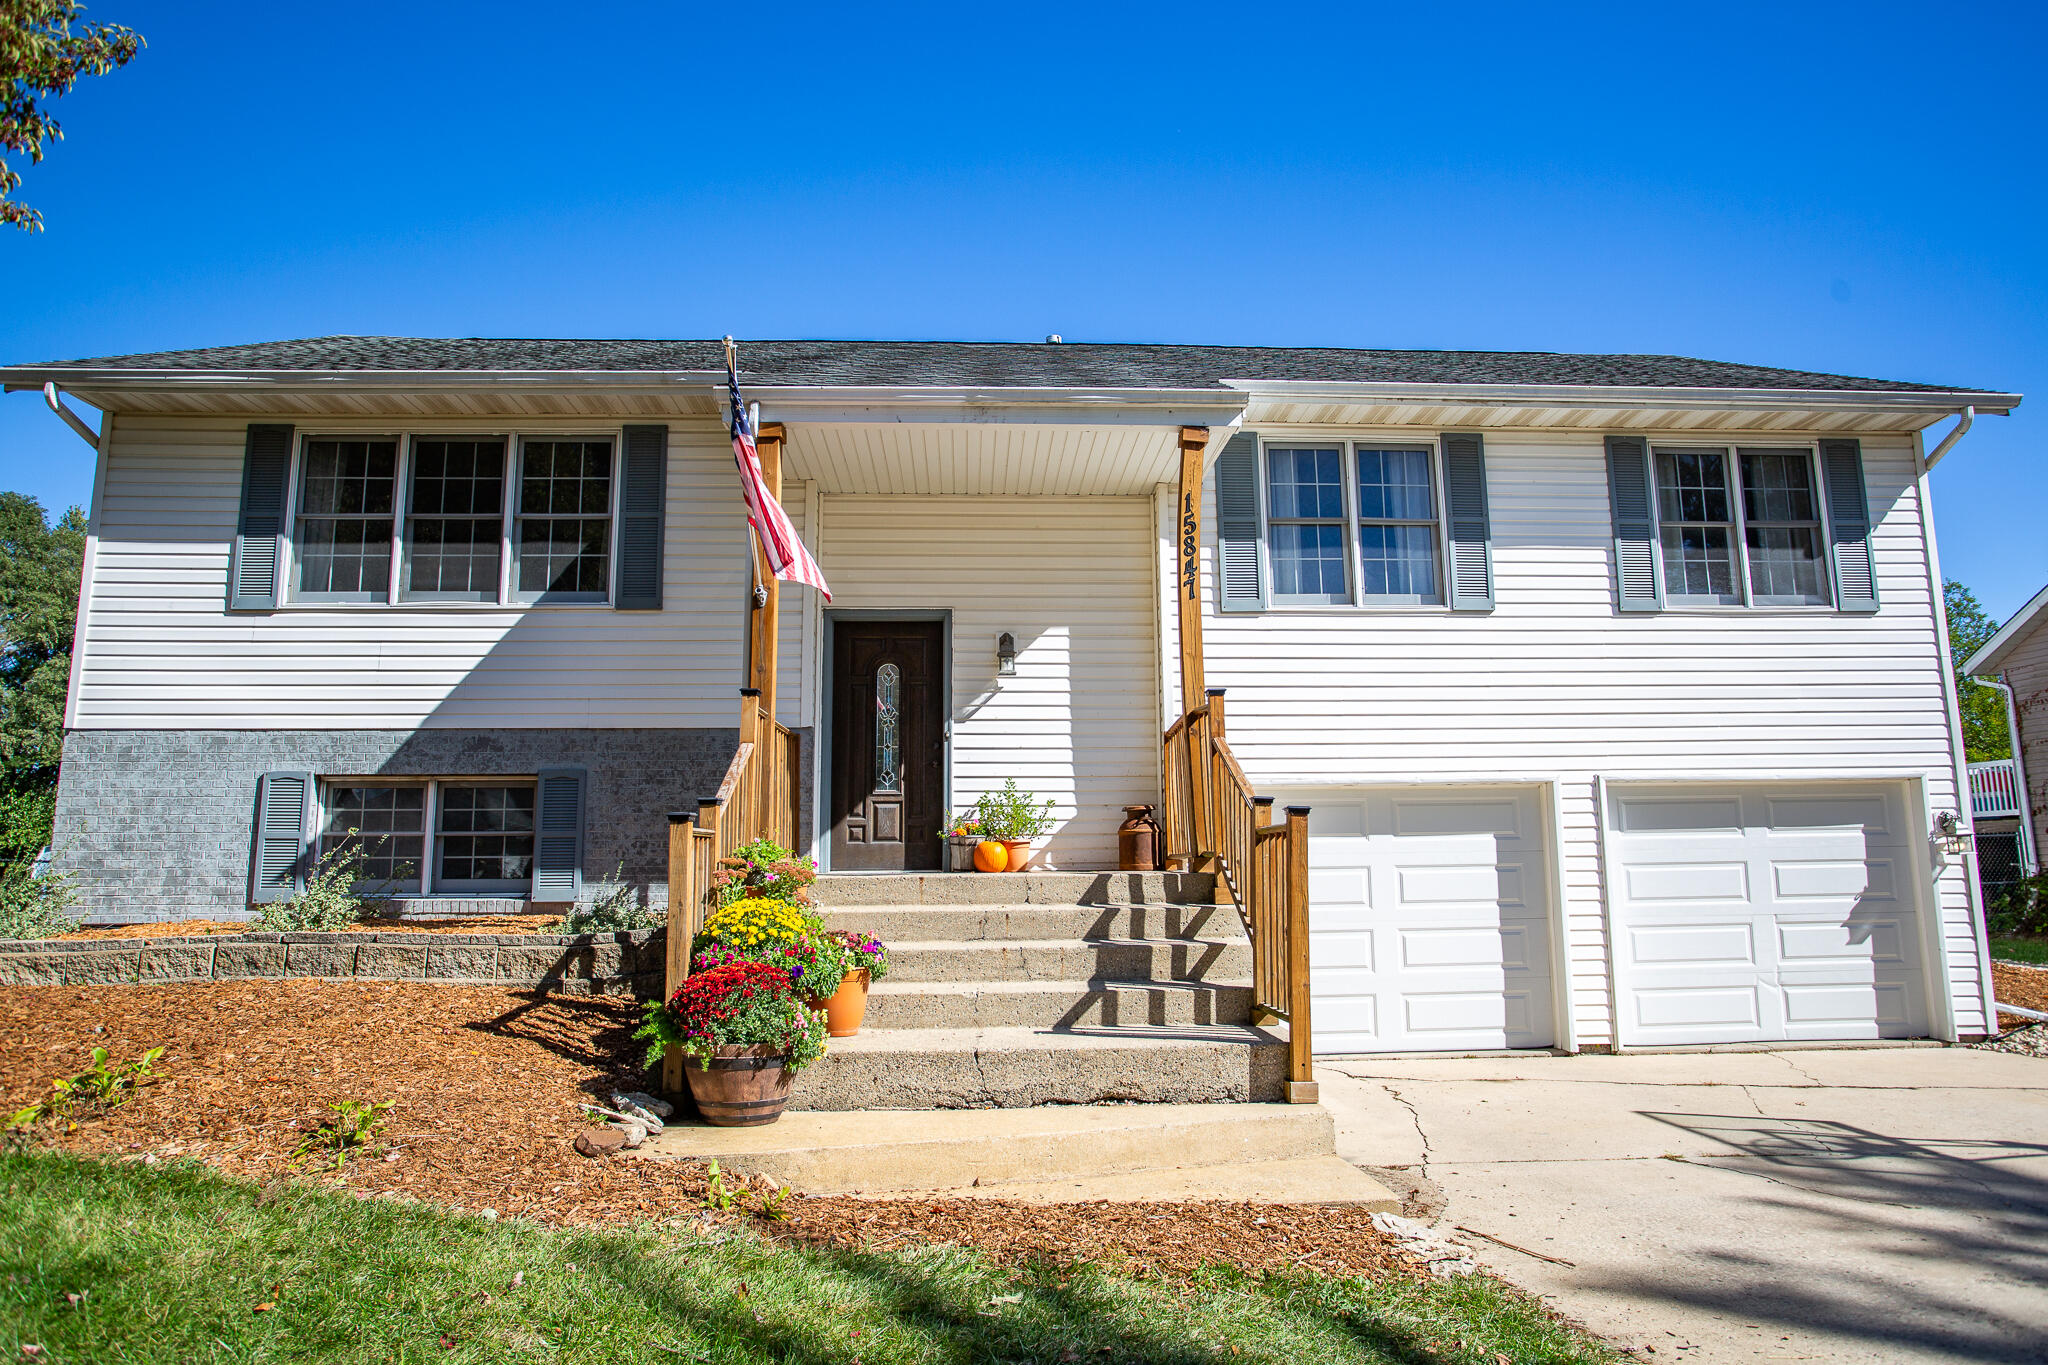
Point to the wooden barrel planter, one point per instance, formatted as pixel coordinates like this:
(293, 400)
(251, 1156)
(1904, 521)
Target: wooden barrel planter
(743, 1087)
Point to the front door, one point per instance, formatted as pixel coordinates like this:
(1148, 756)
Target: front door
(888, 744)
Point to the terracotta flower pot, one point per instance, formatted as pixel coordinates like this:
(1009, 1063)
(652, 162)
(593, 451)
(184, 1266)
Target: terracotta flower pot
(1018, 851)
(845, 1007)
(743, 1087)
(990, 856)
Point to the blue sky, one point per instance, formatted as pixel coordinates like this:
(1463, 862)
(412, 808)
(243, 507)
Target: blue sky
(1850, 188)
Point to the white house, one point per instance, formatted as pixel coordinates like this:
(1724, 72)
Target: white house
(1614, 684)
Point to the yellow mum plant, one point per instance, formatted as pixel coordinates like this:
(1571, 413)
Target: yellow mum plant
(757, 927)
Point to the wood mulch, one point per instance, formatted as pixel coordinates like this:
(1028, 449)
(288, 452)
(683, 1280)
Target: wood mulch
(484, 1084)
(474, 924)
(2026, 987)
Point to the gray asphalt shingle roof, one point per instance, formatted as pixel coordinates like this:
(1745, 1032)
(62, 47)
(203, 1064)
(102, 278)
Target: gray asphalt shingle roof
(957, 364)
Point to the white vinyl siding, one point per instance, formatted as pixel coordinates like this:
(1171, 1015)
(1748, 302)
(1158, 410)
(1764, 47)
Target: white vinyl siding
(1072, 579)
(1555, 686)
(160, 650)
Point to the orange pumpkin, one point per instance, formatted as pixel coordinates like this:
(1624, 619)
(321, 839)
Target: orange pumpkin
(990, 856)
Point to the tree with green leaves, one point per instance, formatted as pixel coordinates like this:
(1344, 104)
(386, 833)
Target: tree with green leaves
(40, 564)
(1970, 628)
(41, 58)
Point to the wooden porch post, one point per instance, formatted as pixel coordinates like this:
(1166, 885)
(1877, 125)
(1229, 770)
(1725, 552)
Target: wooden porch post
(682, 925)
(1301, 1075)
(1188, 589)
(763, 637)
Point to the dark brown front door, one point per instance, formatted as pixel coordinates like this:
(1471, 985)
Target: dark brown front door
(888, 744)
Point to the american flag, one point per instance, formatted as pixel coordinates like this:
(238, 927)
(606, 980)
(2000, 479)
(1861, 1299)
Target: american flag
(787, 557)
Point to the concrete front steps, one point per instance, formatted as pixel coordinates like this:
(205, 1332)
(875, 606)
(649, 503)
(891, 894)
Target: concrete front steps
(1014, 990)
(1269, 1153)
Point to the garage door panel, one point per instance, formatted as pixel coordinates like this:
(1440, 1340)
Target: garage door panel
(1731, 944)
(1857, 940)
(1685, 884)
(1429, 920)
(1796, 926)
(1849, 880)
(1471, 884)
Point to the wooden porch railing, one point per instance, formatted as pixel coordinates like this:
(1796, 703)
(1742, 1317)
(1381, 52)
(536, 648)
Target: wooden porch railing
(1214, 823)
(757, 799)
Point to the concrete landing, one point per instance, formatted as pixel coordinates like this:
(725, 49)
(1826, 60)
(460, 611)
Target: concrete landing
(1266, 1152)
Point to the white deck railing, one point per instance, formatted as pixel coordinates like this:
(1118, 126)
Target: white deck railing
(1995, 790)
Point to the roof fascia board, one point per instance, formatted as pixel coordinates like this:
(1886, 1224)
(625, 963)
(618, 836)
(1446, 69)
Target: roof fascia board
(1624, 397)
(1986, 662)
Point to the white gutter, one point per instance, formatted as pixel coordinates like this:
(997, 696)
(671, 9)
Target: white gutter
(2019, 774)
(1937, 403)
(1964, 419)
(71, 419)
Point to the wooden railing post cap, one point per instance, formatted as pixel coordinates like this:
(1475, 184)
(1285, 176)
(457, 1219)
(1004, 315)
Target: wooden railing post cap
(710, 800)
(1302, 811)
(1214, 691)
(682, 817)
(750, 691)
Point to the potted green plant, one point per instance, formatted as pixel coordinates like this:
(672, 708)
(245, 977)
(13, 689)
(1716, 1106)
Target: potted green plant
(1013, 818)
(747, 1032)
(961, 833)
(765, 870)
(867, 962)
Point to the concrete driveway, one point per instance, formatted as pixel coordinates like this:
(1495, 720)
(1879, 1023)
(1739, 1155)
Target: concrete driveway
(1873, 1204)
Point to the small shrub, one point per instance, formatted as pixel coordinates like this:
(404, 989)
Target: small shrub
(615, 911)
(334, 898)
(2021, 908)
(34, 907)
(1013, 814)
(101, 1090)
(737, 1004)
(355, 1125)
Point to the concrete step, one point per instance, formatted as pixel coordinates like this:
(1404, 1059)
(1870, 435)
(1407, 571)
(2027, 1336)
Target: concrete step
(975, 923)
(1071, 960)
(1014, 888)
(894, 1004)
(871, 1152)
(1295, 1180)
(1014, 1068)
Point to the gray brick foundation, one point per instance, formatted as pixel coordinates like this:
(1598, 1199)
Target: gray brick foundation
(157, 824)
(584, 964)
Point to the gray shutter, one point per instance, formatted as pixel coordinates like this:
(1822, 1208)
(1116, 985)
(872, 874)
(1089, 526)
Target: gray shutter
(279, 870)
(1638, 584)
(1471, 557)
(259, 535)
(558, 835)
(1240, 541)
(643, 486)
(1855, 571)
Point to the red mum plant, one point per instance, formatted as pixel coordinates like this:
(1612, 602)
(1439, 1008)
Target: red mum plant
(735, 1004)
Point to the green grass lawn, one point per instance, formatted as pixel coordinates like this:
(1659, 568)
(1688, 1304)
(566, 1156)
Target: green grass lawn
(2020, 949)
(175, 1263)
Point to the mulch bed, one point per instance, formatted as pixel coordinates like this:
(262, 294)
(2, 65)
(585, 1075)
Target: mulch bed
(2026, 987)
(474, 924)
(485, 1082)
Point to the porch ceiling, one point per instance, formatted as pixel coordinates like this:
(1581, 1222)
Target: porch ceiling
(1014, 458)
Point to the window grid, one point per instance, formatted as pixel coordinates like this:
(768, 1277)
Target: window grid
(344, 519)
(1755, 540)
(1305, 520)
(563, 531)
(454, 527)
(1696, 525)
(483, 837)
(388, 823)
(1397, 526)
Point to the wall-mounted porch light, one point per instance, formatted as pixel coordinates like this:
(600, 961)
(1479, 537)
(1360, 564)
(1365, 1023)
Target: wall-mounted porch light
(1006, 655)
(1950, 831)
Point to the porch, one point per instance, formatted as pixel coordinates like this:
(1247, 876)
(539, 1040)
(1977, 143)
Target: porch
(1063, 985)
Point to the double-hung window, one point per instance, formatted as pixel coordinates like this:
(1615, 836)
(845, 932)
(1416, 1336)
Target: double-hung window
(452, 519)
(1739, 526)
(1353, 522)
(441, 836)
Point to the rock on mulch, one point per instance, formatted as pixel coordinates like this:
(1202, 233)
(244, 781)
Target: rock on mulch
(486, 1084)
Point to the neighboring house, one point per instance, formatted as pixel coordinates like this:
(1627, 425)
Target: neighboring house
(2010, 796)
(1615, 683)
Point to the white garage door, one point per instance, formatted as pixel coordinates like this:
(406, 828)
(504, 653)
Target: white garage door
(1767, 912)
(1428, 919)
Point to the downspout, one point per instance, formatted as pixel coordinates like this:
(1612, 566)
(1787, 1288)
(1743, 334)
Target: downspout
(2019, 773)
(1959, 774)
(71, 419)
